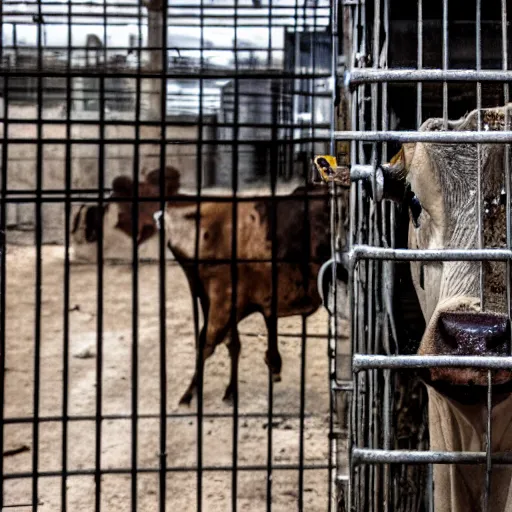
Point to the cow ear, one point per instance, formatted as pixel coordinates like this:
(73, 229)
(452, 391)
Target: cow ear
(122, 185)
(395, 172)
(171, 179)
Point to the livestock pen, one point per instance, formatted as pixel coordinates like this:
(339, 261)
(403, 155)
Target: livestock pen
(97, 331)
(425, 91)
(101, 324)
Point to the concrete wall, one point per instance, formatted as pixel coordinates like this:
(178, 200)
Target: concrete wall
(22, 158)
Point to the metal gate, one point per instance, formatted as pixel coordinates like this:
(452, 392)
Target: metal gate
(401, 65)
(102, 103)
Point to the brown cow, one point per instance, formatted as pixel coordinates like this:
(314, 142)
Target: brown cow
(302, 244)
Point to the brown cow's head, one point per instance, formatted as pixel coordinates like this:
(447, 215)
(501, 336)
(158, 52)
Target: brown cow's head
(438, 184)
(122, 187)
(117, 216)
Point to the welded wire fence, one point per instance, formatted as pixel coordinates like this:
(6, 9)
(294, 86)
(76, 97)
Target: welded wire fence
(404, 65)
(105, 106)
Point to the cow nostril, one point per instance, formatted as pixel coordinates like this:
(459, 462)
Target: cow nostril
(474, 333)
(499, 334)
(450, 330)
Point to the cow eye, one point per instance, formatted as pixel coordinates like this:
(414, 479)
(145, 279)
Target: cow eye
(414, 206)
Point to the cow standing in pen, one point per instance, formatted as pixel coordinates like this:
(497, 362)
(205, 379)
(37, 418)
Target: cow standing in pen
(439, 185)
(291, 230)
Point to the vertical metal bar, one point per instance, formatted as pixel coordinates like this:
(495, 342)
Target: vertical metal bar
(67, 226)
(135, 278)
(419, 86)
(419, 120)
(99, 321)
(302, 412)
(375, 497)
(445, 63)
(362, 421)
(162, 270)
(388, 398)
(353, 288)
(272, 330)
(478, 40)
(488, 447)
(358, 315)
(307, 250)
(38, 266)
(270, 53)
(3, 223)
(430, 484)
(506, 98)
(199, 355)
(333, 321)
(234, 253)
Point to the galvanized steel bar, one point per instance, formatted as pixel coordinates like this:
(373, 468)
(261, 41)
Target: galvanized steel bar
(365, 456)
(369, 75)
(445, 62)
(444, 137)
(488, 444)
(362, 362)
(387, 400)
(360, 252)
(506, 97)
(333, 320)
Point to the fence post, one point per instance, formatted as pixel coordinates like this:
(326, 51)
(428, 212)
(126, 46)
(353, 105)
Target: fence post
(155, 40)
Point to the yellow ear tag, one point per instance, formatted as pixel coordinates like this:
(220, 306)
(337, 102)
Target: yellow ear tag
(326, 166)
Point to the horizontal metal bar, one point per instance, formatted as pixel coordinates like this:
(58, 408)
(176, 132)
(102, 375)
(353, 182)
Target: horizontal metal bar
(112, 15)
(125, 5)
(177, 416)
(361, 172)
(55, 198)
(369, 362)
(367, 456)
(212, 262)
(366, 252)
(247, 74)
(440, 137)
(175, 469)
(185, 22)
(368, 75)
(169, 122)
(168, 141)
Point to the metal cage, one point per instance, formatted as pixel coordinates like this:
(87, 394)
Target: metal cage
(237, 95)
(402, 64)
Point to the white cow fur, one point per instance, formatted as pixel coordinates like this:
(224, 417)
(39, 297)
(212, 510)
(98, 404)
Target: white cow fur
(455, 427)
(117, 246)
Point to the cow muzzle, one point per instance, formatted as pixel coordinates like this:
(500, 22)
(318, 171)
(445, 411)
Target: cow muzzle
(471, 333)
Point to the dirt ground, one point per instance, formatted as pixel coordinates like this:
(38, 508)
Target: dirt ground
(116, 434)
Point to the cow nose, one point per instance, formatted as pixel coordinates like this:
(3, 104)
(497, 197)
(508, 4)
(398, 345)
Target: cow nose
(464, 333)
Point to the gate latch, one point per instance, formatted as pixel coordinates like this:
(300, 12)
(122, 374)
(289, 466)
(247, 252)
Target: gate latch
(325, 277)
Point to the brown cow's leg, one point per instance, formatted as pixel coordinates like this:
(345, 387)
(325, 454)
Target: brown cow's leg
(272, 356)
(209, 338)
(234, 348)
